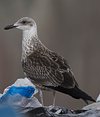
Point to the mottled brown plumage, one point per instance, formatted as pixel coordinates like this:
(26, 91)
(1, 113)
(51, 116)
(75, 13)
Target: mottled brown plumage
(45, 68)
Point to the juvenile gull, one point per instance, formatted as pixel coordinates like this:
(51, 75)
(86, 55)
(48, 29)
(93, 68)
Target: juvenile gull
(45, 68)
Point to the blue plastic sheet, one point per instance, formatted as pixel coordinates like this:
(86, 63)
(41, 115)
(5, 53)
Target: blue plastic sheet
(14, 92)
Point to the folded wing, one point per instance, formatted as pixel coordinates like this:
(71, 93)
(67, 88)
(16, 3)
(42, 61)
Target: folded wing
(49, 69)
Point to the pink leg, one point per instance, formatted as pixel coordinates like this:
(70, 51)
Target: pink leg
(41, 96)
(54, 97)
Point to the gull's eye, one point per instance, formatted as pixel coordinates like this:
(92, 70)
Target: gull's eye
(24, 22)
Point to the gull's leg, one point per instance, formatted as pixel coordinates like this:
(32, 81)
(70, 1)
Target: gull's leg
(54, 97)
(41, 96)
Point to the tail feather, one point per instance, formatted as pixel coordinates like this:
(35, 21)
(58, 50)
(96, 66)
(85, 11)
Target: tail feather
(86, 101)
(74, 92)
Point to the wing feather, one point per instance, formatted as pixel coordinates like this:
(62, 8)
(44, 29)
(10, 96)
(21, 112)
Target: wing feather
(49, 69)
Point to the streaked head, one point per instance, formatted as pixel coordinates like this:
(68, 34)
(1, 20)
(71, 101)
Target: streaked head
(24, 23)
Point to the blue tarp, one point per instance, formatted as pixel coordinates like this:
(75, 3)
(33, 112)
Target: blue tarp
(11, 94)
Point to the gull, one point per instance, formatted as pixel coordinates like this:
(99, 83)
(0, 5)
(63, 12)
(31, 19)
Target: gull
(45, 68)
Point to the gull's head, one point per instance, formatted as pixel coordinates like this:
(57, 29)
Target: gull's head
(24, 23)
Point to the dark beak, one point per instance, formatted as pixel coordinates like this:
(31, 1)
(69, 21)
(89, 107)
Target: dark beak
(10, 27)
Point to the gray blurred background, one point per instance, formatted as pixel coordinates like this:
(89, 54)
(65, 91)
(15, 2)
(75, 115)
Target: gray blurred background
(68, 27)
